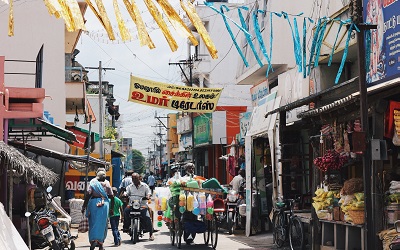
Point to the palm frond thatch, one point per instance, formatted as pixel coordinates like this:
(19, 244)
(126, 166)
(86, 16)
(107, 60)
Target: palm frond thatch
(22, 164)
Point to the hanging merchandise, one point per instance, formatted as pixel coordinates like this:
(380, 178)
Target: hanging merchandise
(396, 134)
(196, 209)
(182, 201)
(190, 202)
(332, 160)
(202, 203)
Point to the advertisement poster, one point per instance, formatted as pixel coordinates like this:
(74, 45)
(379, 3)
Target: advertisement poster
(175, 97)
(258, 91)
(202, 133)
(384, 56)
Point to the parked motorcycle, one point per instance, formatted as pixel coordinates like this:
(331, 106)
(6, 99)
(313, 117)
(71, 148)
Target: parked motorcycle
(55, 233)
(136, 229)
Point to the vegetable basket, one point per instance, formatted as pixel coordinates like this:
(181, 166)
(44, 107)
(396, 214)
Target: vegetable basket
(357, 216)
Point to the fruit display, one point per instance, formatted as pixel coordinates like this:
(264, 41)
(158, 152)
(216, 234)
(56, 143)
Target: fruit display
(332, 160)
(324, 200)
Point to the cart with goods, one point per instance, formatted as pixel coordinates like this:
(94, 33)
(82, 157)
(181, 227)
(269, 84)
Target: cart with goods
(189, 210)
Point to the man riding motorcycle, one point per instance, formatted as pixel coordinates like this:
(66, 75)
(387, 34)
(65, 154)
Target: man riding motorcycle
(138, 188)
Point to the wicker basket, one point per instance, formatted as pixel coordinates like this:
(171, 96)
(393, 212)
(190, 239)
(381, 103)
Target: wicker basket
(357, 216)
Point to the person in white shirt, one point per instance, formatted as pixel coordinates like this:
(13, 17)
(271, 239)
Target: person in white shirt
(138, 189)
(151, 181)
(238, 180)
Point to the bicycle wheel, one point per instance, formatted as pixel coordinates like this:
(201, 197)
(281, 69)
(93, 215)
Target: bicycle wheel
(214, 231)
(296, 234)
(279, 234)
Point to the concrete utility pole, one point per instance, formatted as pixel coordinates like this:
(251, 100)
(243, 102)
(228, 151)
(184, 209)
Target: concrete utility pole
(357, 17)
(166, 144)
(100, 68)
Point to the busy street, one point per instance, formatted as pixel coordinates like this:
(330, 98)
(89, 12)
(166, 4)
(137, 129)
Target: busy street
(162, 241)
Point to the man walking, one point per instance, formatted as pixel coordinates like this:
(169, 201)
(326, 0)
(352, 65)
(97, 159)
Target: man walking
(151, 181)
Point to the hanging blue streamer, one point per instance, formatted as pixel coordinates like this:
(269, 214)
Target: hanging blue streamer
(314, 42)
(304, 48)
(296, 40)
(232, 35)
(210, 5)
(248, 37)
(271, 34)
(334, 44)
(346, 48)
(319, 43)
(367, 49)
(260, 39)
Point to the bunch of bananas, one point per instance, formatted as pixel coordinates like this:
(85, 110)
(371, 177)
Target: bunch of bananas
(324, 200)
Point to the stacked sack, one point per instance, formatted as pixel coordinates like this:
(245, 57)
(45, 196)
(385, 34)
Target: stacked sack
(75, 206)
(394, 192)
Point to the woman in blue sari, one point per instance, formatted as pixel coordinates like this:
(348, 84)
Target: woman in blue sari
(98, 207)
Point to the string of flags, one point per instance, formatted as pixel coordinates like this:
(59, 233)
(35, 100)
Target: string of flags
(299, 43)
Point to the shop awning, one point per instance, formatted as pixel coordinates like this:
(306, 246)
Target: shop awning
(60, 133)
(23, 165)
(310, 98)
(77, 161)
(350, 98)
(259, 123)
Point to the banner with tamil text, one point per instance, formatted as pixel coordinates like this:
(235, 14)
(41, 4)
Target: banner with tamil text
(175, 97)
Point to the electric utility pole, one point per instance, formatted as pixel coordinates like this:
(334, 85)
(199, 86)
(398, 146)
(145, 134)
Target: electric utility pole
(100, 68)
(166, 144)
(357, 18)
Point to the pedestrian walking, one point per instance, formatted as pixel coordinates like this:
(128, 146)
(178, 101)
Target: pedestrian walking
(151, 181)
(97, 202)
(114, 218)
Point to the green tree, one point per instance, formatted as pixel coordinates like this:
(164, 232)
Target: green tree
(138, 161)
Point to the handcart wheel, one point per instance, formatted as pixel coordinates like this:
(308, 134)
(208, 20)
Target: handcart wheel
(214, 231)
(172, 233)
(178, 236)
(206, 233)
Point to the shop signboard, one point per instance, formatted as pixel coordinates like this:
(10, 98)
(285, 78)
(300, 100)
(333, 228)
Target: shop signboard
(184, 125)
(244, 123)
(202, 135)
(185, 141)
(75, 182)
(258, 92)
(384, 46)
(293, 87)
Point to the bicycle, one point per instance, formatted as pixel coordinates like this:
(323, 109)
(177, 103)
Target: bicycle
(287, 224)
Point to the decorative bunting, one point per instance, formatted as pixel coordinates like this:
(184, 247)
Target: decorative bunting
(248, 38)
(319, 42)
(334, 44)
(161, 23)
(296, 39)
(346, 48)
(313, 44)
(260, 39)
(125, 35)
(75, 15)
(177, 22)
(228, 27)
(11, 20)
(53, 7)
(144, 37)
(102, 16)
(198, 24)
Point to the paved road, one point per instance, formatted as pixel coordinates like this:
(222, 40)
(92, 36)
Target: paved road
(236, 241)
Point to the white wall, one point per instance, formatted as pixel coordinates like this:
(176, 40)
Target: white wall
(33, 27)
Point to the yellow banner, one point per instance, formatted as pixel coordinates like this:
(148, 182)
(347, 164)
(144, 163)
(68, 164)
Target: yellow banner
(175, 97)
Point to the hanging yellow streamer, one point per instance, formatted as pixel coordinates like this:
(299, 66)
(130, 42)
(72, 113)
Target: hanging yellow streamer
(176, 21)
(102, 16)
(75, 14)
(125, 35)
(161, 23)
(11, 20)
(53, 7)
(198, 24)
(144, 37)
(66, 16)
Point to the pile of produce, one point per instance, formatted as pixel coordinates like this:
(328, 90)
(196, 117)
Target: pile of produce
(352, 186)
(332, 160)
(324, 200)
(393, 196)
(354, 202)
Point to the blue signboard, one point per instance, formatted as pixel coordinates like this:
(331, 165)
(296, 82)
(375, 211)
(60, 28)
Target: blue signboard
(384, 56)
